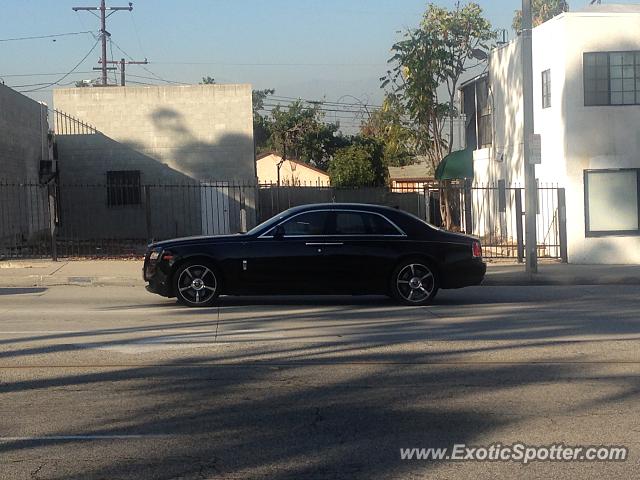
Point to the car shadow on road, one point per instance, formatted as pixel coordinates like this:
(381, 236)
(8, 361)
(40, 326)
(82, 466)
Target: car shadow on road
(21, 290)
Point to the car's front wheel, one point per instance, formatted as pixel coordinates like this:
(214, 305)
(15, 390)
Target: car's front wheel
(414, 283)
(197, 284)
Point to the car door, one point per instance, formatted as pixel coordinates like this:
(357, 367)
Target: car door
(365, 250)
(289, 257)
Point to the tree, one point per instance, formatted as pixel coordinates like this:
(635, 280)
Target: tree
(299, 131)
(390, 125)
(360, 164)
(437, 54)
(542, 11)
(208, 80)
(261, 124)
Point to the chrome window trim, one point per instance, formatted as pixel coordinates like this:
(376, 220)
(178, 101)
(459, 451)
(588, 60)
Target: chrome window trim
(400, 234)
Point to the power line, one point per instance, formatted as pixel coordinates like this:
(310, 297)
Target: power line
(45, 36)
(157, 77)
(66, 74)
(324, 102)
(37, 74)
(277, 64)
(321, 109)
(154, 78)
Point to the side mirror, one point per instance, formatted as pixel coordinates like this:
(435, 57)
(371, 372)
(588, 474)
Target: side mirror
(278, 232)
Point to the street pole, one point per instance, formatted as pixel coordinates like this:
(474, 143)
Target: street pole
(530, 185)
(103, 30)
(122, 62)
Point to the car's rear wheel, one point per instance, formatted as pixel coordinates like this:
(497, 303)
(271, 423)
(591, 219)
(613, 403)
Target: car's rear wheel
(414, 282)
(197, 284)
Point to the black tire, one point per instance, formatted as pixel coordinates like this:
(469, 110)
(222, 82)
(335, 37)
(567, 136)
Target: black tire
(414, 282)
(197, 284)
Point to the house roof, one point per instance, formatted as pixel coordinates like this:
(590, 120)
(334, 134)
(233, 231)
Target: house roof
(473, 80)
(291, 160)
(417, 171)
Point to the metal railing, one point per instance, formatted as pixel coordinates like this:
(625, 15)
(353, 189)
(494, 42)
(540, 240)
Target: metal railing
(120, 219)
(495, 214)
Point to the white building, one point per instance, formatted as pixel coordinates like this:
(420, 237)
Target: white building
(586, 68)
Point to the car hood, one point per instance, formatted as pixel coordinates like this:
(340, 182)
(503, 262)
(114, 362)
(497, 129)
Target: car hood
(197, 239)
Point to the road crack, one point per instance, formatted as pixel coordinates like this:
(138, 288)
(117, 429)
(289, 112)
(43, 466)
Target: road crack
(34, 473)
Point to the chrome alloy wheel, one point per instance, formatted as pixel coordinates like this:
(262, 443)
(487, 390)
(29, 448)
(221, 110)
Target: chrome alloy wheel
(415, 283)
(197, 284)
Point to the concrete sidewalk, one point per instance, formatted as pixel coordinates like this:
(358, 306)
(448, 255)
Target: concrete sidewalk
(44, 273)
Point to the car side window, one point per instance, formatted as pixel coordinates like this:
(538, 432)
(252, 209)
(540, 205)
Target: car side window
(306, 224)
(362, 223)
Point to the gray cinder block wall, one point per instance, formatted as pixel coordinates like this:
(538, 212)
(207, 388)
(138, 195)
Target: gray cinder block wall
(202, 131)
(180, 135)
(23, 144)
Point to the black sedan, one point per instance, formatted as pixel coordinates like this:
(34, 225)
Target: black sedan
(318, 249)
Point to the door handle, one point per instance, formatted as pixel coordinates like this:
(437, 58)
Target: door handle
(317, 244)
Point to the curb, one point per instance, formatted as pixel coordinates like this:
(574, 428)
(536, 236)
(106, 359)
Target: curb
(104, 281)
(548, 281)
(50, 281)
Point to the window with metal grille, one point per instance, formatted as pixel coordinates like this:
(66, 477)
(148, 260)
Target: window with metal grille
(123, 188)
(546, 89)
(612, 78)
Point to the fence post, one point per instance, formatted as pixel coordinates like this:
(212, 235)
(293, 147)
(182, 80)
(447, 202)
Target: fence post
(147, 209)
(562, 224)
(468, 215)
(519, 214)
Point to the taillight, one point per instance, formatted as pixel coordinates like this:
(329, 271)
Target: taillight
(476, 248)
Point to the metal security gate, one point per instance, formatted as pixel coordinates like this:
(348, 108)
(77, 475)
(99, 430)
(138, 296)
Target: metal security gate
(495, 214)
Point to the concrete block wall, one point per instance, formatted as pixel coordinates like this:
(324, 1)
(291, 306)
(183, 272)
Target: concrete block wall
(173, 135)
(202, 131)
(23, 144)
(23, 135)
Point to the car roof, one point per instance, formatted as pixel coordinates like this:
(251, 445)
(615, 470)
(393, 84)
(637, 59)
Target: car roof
(344, 206)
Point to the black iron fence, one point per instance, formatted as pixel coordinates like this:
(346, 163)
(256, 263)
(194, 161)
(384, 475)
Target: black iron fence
(495, 214)
(120, 217)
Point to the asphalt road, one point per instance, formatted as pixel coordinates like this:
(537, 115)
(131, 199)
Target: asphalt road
(112, 382)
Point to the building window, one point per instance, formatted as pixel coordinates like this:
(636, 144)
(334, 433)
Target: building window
(485, 121)
(611, 202)
(123, 188)
(611, 78)
(546, 89)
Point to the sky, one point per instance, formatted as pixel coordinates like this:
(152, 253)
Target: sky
(314, 49)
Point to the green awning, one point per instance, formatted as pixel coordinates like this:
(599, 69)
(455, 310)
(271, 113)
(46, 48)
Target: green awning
(456, 165)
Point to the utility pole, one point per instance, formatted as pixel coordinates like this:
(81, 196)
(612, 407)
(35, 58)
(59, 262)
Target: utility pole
(530, 185)
(122, 62)
(103, 29)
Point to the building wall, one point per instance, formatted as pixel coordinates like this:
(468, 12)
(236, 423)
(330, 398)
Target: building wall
(503, 161)
(23, 144)
(574, 137)
(202, 131)
(23, 135)
(598, 137)
(291, 173)
(180, 135)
